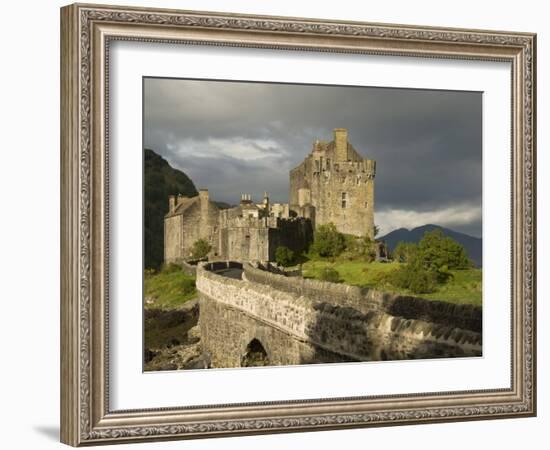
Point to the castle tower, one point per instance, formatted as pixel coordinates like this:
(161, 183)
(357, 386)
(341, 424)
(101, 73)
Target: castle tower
(338, 183)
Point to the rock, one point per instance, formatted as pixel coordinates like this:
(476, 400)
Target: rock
(194, 333)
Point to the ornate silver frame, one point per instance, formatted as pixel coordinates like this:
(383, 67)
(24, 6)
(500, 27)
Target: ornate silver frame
(86, 31)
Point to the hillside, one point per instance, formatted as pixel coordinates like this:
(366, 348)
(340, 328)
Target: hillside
(472, 245)
(160, 181)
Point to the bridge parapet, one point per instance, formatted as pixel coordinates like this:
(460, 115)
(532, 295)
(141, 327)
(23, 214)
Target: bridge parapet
(365, 299)
(303, 321)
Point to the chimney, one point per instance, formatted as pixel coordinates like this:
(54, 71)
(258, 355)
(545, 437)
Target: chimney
(203, 198)
(171, 203)
(341, 144)
(245, 198)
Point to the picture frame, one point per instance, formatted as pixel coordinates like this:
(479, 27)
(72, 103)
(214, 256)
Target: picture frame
(87, 31)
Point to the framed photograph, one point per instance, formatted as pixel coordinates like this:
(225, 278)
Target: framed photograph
(275, 224)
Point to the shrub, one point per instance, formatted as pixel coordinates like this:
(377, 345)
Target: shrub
(284, 256)
(200, 249)
(327, 241)
(359, 248)
(404, 251)
(414, 277)
(329, 274)
(149, 272)
(435, 250)
(187, 286)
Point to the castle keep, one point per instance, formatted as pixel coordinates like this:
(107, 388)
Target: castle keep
(334, 184)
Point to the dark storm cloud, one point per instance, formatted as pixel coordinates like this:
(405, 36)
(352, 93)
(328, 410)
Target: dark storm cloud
(244, 137)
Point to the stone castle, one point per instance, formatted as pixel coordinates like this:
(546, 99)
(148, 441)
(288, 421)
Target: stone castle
(334, 184)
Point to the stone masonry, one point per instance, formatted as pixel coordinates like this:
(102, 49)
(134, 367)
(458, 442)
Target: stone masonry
(333, 184)
(292, 324)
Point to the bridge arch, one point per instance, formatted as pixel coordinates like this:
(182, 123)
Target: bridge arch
(255, 355)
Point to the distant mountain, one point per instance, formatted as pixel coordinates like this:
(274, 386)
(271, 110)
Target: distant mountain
(160, 181)
(472, 245)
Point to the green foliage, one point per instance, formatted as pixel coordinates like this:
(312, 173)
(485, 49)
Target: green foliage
(414, 277)
(200, 249)
(437, 251)
(330, 274)
(327, 241)
(358, 248)
(284, 256)
(463, 286)
(160, 181)
(169, 288)
(428, 263)
(404, 251)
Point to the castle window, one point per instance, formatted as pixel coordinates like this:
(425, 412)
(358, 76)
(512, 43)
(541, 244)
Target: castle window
(344, 199)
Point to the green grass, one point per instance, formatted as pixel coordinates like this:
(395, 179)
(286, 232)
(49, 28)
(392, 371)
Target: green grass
(168, 289)
(464, 287)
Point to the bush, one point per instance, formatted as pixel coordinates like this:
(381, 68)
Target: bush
(327, 241)
(404, 251)
(148, 272)
(359, 248)
(329, 274)
(414, 277)
(200, 249)
(435, 251)
(284, 256)
(187, 286)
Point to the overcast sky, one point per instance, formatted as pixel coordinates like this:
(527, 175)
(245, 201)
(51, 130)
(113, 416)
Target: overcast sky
(233, 137)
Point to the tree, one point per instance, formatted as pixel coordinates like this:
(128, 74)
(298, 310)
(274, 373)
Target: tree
(404, 251)
(327, 241)
(437, 251)
(414, 277)
(429, 262)
(200, 249)
(363, 248)
(284, 256)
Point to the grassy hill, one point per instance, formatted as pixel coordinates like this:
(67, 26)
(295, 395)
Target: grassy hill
(160, 181)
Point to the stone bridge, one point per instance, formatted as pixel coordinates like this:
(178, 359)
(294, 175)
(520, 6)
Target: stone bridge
(254, 314)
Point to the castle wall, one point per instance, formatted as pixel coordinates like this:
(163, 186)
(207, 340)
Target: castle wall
(181, 231)
(245, 243)
(173, 239)
(295, 234)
